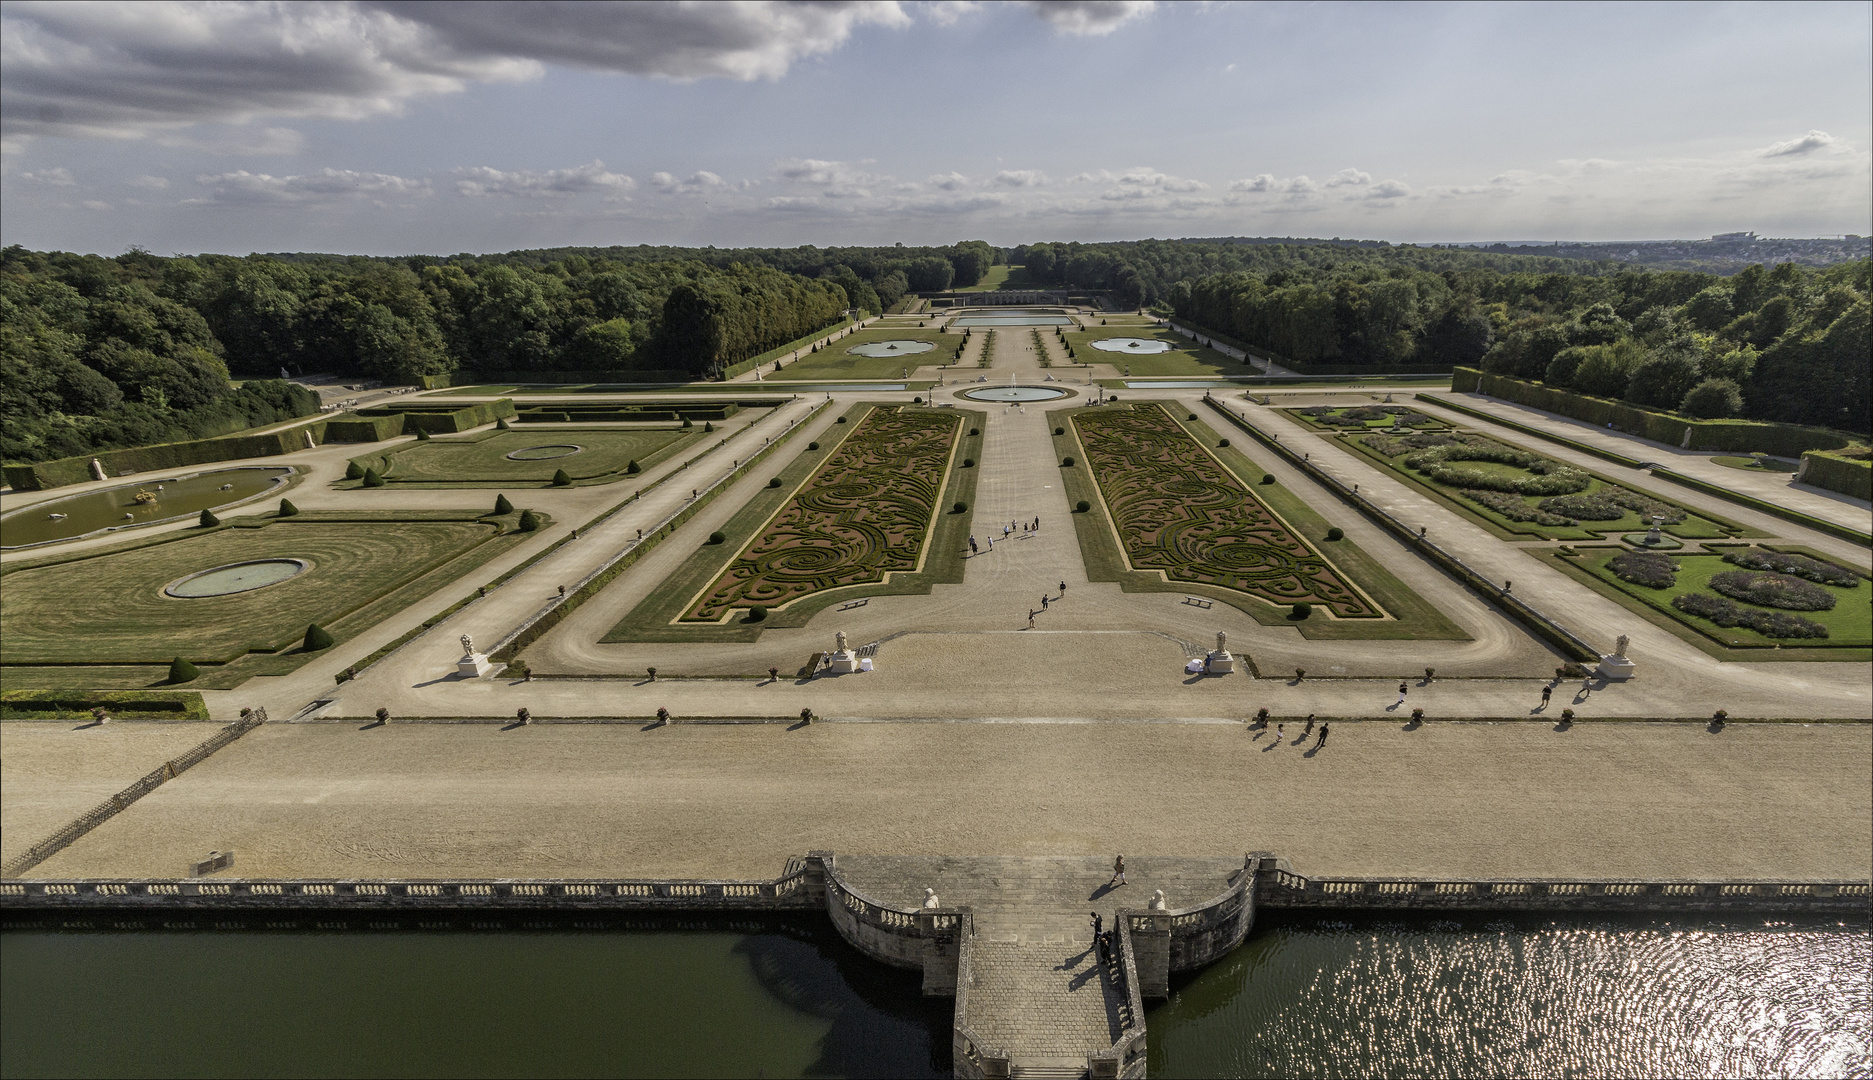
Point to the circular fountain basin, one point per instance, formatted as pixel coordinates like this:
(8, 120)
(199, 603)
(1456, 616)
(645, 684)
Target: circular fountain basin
(1014, 393)
(545, 453)
(1138, 346)
(892, 348)
(235, 578)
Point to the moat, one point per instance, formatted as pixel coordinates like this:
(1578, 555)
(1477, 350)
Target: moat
(785, 996)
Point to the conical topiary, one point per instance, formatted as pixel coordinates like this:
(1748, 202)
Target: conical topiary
(562, 478)
(287, 509)
(502, 425)
(371, 479)
(633, 469)
(317, 638)
(181, 670)
(421, 435)
(529, 521)
(354, 471)
(502, 506)
(209, 520)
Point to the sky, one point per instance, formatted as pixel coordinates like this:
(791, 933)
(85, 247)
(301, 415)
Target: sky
(389, 128)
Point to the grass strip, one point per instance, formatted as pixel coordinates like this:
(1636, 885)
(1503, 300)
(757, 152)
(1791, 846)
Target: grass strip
(1572, 444)
(1839, 532)
(182, 706)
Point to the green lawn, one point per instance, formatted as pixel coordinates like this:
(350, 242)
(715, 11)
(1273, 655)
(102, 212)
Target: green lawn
(1300, 416)
(656, 617)
(1849, 622)
(480, 460)
(1695, 526)
(1411, 616)
(836, 361)
(1185, 358)
(105, 621)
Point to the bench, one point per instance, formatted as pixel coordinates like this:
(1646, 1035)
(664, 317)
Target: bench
(850, 604)
(1199, 601)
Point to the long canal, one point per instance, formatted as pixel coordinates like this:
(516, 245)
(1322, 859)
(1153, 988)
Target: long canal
(1312, 995)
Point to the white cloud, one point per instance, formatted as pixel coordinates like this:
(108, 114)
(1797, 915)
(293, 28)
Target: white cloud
(1807, 144)
(697, 183)
(95, 204)
(1020, 178)
(836, 179)
(240, 140)
(125, 70)
(1389, 189)
(481, 181)
(949, 12)
(54, 177)
(949, 181)
(1257, 183)
(1088, 18)
(325, 187)
(154, 183)
(1349, 178)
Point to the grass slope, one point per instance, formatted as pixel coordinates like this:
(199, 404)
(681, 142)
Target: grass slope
(1185, 358)
(480, 460)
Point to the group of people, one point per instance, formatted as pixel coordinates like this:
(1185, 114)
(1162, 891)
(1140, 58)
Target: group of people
(1281, 729)
(1045, 601)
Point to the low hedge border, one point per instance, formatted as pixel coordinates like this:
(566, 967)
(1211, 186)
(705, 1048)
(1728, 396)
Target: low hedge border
(1562, 639)
(1603, 455)
(596, 583)
(1840, 532)
(184, 706)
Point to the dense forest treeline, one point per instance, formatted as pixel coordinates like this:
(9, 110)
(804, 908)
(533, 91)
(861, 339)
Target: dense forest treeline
(100, 352)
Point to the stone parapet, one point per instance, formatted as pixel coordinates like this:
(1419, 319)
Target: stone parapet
(1280, 889)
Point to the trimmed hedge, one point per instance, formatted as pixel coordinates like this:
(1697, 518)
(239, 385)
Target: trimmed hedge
(77, 470)
(363, 429)
(776, 353)
(444, 419)
(1849, 476)
(1303, 368)
(1776, 509)
(1741, 436)
(148, 704)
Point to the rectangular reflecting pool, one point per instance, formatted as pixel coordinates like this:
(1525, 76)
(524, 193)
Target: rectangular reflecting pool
(1013, 320)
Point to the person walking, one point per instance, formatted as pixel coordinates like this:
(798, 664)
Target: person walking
(1281, 731)
(1063, 590)
(1309, 729)
(973, 550)
(1402, 691)
(1045, 600)
(1030, 620)
(1118, 872)
(1547, 691)
(1323, 737)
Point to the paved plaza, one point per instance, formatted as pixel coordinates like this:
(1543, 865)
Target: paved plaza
(978, 733)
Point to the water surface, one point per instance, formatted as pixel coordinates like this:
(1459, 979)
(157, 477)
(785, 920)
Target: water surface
(172, 498)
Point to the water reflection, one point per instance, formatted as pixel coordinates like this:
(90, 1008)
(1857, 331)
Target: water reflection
(1526, 997)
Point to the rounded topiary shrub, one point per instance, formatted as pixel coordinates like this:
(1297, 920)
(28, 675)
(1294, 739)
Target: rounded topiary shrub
(1268, 478)
(318, 638)
(1066, 463)
(1193, 416)
(812, 446)
(718, 538)
(916, 401)
(1060, 431)
(1300, 611)
(421, 435)
(372, 479)
(503, 425)
(1082, 506)
(774, 483)
(562, 478)
(287, 509)
(502, 506)
(181, 670)
(840, 420)
(960, 507)
(975, 431)
(1222, 442)
(1336, 533)
(756, 614)
(529, 521)
(354, 471)
(633, 469)
(209, 520)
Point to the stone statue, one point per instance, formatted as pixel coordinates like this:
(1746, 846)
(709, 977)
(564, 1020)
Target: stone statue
(1619, 646)
(1222, 641)
(840, 638)
(1157, 900)
(930, 899)
(468, 645)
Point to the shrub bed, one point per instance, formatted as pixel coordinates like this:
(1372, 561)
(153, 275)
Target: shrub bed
(1512, 507)
(1798, 565)
(1648, 568)
(1772, 590)
(1727, 613)
(1611, 503)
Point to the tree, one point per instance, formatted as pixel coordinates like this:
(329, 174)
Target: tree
(502, 506)
(1606, 369)
(287, 509)
(1661, 381)
(529, 521)
(208, 520)
(1713, 399)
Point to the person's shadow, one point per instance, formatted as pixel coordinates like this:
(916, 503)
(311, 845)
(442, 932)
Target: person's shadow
(1102, 890)
(1311, 752)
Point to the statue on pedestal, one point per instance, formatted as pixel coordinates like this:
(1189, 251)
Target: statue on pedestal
(468, 645)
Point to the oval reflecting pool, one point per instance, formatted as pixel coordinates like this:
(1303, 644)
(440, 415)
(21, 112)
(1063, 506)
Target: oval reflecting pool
(236, 578)
(1014, 393)
(892, 348)
(545, 453)
(1140, 346)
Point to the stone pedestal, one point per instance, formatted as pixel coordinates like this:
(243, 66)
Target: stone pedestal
(473, 665)
(1221, 662)
(1616, 668)
(843, 662)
